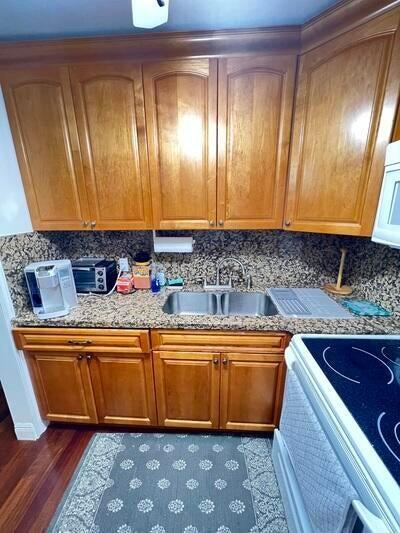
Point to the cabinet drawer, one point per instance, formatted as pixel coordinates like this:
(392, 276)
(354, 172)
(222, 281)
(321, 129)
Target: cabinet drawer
(84, 340)
(218, 340)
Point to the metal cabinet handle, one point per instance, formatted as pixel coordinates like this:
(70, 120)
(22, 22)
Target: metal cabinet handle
(80, 357)
(212, 223)
(93, 223)
(85, 223)
(288, 222)
(225, 361)
(89, 357)
(220, 222)
(79, 343)
(215, 361)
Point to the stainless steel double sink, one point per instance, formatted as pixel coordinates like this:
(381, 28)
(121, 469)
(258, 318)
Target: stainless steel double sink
(216, 303)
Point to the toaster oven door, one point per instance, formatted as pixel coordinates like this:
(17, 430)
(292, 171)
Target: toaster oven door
(85, 280)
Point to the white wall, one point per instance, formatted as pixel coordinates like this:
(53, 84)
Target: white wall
(14, 214)
(14, 375)
(14, 218)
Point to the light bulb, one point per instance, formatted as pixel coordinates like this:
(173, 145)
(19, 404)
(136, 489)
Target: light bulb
(149, 13)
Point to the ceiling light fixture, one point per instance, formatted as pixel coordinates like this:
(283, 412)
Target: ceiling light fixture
(149, 13)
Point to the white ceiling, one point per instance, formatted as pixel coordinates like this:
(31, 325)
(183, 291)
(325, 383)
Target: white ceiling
(34, 19)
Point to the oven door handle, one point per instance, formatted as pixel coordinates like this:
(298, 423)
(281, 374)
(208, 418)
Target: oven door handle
(289, 357)
(371, 523)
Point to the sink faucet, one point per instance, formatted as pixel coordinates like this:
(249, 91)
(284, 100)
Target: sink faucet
(218, 286)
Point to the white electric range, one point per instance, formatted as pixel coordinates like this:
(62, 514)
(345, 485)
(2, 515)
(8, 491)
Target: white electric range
(351, 388)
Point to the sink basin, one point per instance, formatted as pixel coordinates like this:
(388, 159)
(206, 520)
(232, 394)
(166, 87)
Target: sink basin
(248, 304)
(227, 303)
(191, 303)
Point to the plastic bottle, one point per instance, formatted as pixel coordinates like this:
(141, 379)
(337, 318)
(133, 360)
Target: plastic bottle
(161, 276)
(155, 285)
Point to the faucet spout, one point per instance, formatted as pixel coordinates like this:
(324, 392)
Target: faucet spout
(230, 260)
(218, 286)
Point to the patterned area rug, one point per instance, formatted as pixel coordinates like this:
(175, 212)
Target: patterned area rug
(172, 483)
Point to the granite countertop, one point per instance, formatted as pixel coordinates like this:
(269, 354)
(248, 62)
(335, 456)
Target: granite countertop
(143, 310)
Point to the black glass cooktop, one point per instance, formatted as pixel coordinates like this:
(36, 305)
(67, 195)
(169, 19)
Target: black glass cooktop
(366, 375)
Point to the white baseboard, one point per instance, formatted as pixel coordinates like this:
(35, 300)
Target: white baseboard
(28, 431)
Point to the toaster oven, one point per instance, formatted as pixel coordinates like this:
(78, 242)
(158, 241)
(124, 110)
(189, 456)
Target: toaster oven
(94, 274)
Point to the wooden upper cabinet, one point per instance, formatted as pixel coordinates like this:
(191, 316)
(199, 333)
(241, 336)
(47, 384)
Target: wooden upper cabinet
(396, 129)
(181, 114)
(345, 109)
(110, 114)
(255, 99)
(40, 109)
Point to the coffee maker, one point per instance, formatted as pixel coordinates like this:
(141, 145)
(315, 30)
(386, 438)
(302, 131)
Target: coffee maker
(51, 288)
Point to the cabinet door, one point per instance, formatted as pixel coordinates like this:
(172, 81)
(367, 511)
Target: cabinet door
(251, 391)
(255, 99)
(396, 130)
(110, 116)
(187, 389)
(123, 388)
(181, 117)
(63, 386)
(40, 109)
(345, 109)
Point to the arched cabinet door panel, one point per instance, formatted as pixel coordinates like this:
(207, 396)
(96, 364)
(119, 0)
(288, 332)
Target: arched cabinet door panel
(181, 114)
(41, 114)
(345, 110)
(110, 115)
(255, 100)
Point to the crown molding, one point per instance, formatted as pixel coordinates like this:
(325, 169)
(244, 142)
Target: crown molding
(146, 47)
(341, 18)
(152, 46)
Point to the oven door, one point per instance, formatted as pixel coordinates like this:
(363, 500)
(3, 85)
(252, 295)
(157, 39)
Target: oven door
(319, 489)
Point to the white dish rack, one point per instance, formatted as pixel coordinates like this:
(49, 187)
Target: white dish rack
(306, 303)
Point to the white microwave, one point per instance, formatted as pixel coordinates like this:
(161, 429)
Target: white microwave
(387, 221)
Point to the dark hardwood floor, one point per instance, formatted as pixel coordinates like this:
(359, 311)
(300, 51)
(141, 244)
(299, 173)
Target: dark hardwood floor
(34, 475)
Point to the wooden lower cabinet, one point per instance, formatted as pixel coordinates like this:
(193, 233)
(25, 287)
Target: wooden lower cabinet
(105, 388)
(63, 386)
(251, 391)
(233, 391)
(191, 379)
(187, 388)
(123, 389)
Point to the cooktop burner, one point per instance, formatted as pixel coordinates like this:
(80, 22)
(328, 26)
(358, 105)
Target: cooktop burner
(366, 375)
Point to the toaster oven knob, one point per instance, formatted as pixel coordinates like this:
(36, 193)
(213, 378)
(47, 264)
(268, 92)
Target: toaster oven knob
(100, 280)
(101, 286)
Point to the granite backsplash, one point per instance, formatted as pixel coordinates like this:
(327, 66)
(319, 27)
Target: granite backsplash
(274, 258)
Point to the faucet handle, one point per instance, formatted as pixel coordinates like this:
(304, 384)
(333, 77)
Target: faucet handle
(249, 282)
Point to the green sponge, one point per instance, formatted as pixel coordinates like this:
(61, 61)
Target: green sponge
(176, 282)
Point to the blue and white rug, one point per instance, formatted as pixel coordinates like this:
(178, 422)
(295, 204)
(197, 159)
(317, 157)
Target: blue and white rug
(172, 483)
